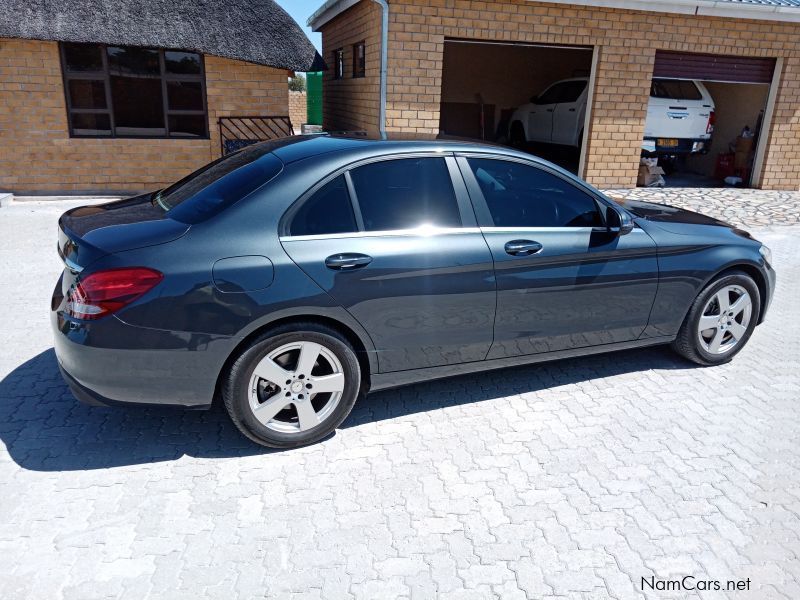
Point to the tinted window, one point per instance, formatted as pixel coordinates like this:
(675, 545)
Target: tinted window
(524, 196)
(675, 89)
(328, 211)
(571, 90)
(219, 184)
(405, 194)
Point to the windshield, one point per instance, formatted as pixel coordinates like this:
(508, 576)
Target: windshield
(219, 184)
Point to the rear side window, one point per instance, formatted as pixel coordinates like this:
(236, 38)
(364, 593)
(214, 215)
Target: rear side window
(675, 89)
(328, 211)
(519, 195)
(405, 194)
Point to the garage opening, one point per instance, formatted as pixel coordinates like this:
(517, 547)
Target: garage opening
(535, 97)
(705, 119)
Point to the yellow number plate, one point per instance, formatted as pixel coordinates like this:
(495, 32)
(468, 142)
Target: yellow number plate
(667, 143)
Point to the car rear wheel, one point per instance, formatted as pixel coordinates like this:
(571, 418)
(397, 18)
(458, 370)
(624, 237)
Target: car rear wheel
(293, 386)
(720, 321)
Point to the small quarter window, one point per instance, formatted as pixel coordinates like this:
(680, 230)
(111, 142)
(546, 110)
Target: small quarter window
(326, 212)
(405, 194)
(359, 60)
(519, 195)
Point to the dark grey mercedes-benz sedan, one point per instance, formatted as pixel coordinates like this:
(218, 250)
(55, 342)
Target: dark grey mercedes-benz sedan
(294, 276)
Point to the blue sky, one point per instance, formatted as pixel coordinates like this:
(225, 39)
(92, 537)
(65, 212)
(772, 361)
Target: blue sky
(300, 11)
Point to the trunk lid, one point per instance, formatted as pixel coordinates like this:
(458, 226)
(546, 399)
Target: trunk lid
(88, 233)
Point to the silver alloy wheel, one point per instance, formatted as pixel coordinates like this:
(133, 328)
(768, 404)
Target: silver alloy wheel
(725, 319)
(296, 387)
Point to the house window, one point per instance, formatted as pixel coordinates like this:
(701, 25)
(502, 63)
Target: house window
(120, 91)
(359, 60)
(338, 63)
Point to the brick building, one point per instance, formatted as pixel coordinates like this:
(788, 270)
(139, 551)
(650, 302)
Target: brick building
(127, 94)
(445, 60)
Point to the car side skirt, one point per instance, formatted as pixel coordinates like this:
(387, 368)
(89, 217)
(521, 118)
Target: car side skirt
(383, 381)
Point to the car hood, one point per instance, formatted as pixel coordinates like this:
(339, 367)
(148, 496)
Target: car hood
(663, 213)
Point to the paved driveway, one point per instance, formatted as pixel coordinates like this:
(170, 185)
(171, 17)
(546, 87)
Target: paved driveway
(574, 479)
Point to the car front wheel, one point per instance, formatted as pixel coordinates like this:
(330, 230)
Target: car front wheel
(293, 386)
(720, 321)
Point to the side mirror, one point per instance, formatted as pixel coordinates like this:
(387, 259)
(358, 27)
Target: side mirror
(619, 221)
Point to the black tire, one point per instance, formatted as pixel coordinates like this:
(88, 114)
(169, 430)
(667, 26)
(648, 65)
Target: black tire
(517, 135)
(687, 343)
(236, 393)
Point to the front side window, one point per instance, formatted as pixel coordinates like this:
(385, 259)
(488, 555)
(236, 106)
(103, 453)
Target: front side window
(406, 194)
(519, 195)
(120, 91)
(570, 91)
(327, 211)
(338, 63)
(359, 60)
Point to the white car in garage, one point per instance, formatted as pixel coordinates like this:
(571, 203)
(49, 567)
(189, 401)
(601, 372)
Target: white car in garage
(680, 116)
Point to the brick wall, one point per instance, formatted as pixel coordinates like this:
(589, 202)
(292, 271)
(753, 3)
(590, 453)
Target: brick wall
(626, 42)
(37, 154)
(298, 109)
(348, 103)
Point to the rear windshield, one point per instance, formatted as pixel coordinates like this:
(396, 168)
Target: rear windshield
(675, 89)
(219, 184)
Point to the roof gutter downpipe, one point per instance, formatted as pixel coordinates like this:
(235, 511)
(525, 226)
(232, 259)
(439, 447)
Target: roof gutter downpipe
(384, 64)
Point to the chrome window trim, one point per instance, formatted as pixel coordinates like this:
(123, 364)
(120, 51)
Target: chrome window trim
(540, 229)
(416, 232)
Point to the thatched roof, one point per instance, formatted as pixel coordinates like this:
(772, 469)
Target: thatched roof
(257, 31)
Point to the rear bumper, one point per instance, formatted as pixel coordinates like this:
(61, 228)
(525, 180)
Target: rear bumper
(684, 146)
(109, 362)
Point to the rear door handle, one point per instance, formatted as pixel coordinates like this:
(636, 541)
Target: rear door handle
(523, 247)
(347, 261)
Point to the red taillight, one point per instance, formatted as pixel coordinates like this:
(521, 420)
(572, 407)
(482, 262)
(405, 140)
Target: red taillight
(712, 119)
(105, 292)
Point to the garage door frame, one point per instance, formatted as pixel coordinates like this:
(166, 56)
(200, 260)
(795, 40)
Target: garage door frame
(595, 50)
(753, 70)
(764, 134)
(587, 119)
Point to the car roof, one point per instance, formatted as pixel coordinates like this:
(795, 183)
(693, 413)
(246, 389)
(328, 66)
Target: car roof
(352, 145)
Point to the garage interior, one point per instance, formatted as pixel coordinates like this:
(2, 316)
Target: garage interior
(740, 88)
(484, 82)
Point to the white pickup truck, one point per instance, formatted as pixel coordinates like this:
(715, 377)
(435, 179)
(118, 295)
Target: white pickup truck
(680, 116)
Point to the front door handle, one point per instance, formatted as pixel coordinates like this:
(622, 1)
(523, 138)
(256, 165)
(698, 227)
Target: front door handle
(523, 247)
(347, 261)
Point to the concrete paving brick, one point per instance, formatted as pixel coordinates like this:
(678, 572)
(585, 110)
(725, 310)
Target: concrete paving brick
(571, 479)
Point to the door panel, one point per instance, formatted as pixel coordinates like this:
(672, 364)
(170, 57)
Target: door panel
(568, 115)
(425, 300)
(563, 280)
(581, 289)
(540, 122)
(566, 123)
